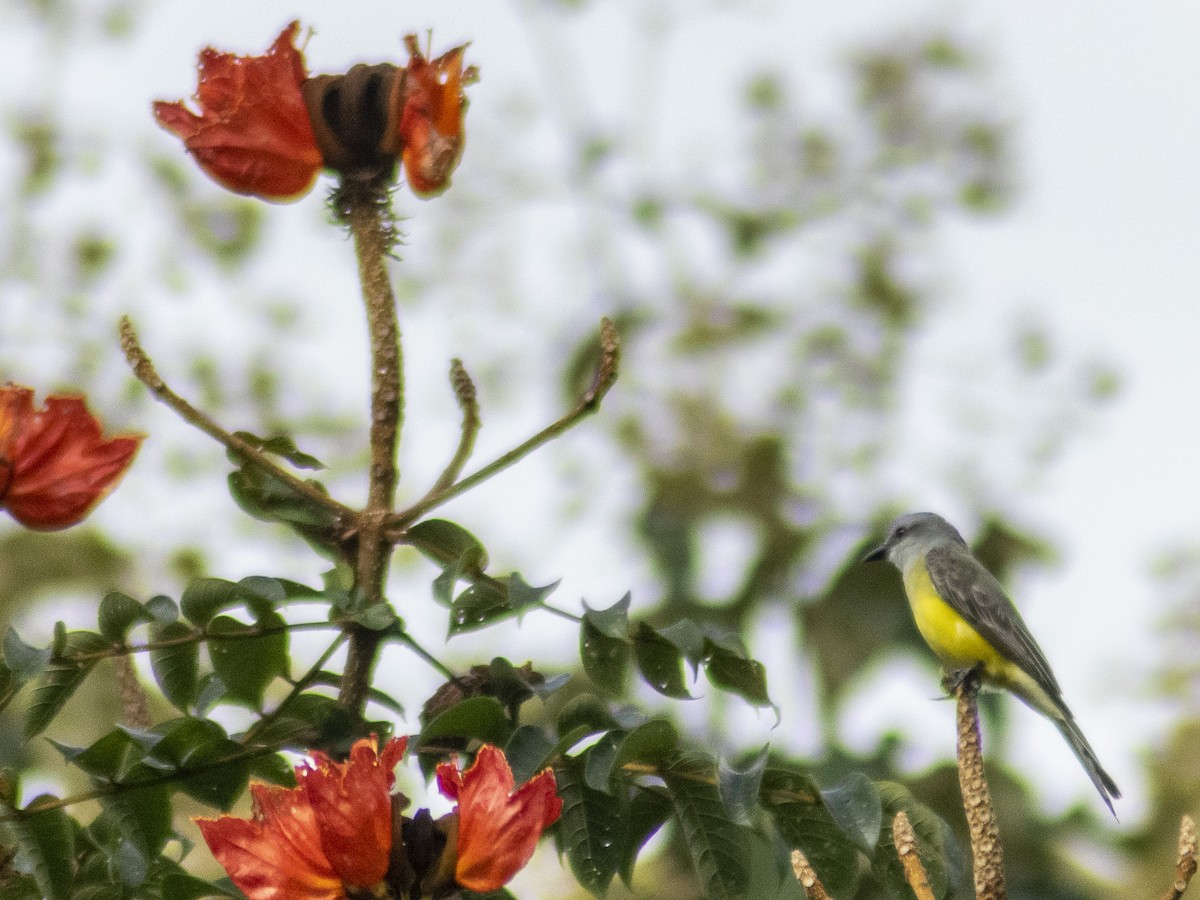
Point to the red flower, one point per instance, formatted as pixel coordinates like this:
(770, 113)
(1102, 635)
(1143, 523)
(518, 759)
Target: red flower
(252, 135)
(55, 465)
(266, 129)
(330, 832)
(431, 121)
(497, 828)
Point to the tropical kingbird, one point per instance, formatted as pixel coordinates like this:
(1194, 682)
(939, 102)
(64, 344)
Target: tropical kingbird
(968, 621)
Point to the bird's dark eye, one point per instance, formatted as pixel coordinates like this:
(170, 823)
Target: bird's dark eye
(901, 531)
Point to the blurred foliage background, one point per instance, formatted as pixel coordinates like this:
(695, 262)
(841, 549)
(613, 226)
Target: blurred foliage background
(768, 299)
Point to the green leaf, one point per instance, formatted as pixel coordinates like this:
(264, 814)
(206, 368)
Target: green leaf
(376, 617)
(118, 614)
(24, 661)
(284, 446)
(687, 636)
(221, 775)
(248, 665)
(481, 718)
(527, 751)
(447, 543)
(604, 646)
(933, 840)
(484, 602)
(265, 497)
(651, 744)
(47, 839)
(587, 712)
(522, 596)
(856, 807)
(163, 608)
(59, 681)
(739, 786)
(109, 758)
(796, 806)
(718, 846)
(182, 886)
(613, 621)
(205, 597)
(263, 594)
(310, 720)
(598, 769)
(142, 815)
(210, 767)
(176, 666)
(648, 810)
(730, 669)
(273, 769)
(660, 662)
(591, 830)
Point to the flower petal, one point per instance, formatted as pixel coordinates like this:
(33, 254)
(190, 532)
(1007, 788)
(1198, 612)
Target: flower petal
(498, 829)
(430, 128)
(55, 464)
(276, 855)
(252, 134)
(353, 808)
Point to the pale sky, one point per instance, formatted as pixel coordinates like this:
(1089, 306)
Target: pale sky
(1098, 247)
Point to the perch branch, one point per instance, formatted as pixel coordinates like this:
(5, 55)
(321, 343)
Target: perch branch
(905, 840)
(1185, 865)
(987, 855)
(813, 889)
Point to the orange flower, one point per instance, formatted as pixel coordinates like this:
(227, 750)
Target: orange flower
(332, 831)
(55, 464)
(497, 828)
(430, 129)
(252, 135)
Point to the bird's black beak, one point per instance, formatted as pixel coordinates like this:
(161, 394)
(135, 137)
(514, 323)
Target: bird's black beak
(877, 554)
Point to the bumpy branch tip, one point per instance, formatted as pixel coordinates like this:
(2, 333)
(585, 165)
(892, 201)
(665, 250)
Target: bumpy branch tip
(813, 889)
(987, 854)
(1185, 865)
(905, 840)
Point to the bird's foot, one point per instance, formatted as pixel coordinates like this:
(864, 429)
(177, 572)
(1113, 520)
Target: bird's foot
(953, 680)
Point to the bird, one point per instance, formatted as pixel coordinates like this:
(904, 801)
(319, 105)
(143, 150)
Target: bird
(968, 620)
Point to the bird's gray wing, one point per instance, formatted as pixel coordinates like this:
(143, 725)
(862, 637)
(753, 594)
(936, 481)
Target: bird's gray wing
(974, 593)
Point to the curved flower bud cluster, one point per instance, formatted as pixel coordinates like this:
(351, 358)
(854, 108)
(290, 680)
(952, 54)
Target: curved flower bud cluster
(266, 129)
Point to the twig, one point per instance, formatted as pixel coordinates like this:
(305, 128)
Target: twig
(144, 371)
(373, 237)
(297, 688)
(905, 840)
(987, 855)
(606, 374)
(1185, 865)
(813, 889)
(198, 636)
(464, 390)
(121, 787)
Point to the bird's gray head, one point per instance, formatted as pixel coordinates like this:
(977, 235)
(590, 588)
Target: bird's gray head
(913, 535)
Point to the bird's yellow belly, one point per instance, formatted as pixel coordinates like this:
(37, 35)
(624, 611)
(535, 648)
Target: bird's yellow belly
(956, 643)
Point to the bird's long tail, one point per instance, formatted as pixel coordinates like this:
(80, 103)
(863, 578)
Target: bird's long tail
(1087, 758)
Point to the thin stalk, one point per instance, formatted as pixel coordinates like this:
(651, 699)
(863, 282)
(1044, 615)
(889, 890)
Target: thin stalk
(144, 371)
(372, 243)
